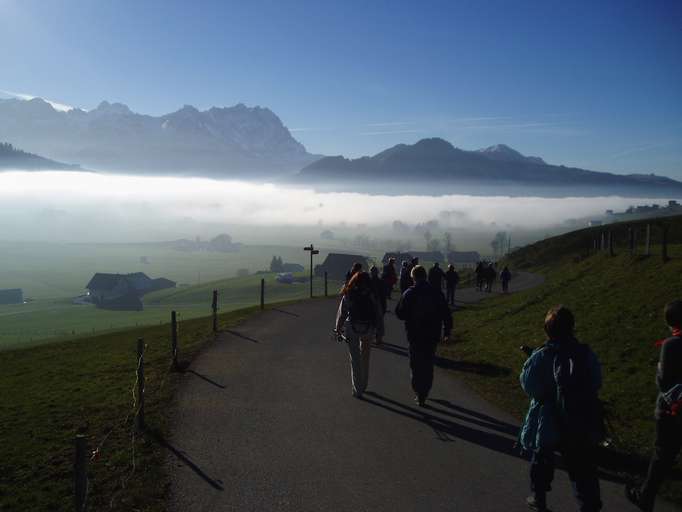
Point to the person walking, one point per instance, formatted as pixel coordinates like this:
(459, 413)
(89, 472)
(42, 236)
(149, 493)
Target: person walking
(451, 281)
(427, 320)
(380, 291)
(668, 413)
(505, 277)
(357, 267)
(480, 271)
(490, 276)
(405, 279)
(388, 274)
(436, 277)
(562, 379)
(358, 317)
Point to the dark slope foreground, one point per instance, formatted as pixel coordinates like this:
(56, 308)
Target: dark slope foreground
(618, 303)
(266, 421)
(436, 165)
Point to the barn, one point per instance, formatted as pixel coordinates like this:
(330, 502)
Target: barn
(337, 265)
(123, 291)
(466, 259)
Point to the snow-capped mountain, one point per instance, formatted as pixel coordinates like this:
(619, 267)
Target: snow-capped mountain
(223, 142)
(504, 153)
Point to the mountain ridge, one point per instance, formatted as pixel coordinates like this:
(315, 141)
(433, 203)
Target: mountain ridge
(237, 141)
(497, 169)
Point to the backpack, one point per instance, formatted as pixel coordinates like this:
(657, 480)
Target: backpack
(579, 411)
(361, 309)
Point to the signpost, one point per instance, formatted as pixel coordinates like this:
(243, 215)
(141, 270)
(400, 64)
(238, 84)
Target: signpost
(313, 252)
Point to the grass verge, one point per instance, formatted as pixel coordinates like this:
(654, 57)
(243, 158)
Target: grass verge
(52, 392)
(618, 303)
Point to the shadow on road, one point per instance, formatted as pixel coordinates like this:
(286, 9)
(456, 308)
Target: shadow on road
(240, 335)
(183, 457)
(447, 430)
(203, 377)
(285, 312)
(486, 369)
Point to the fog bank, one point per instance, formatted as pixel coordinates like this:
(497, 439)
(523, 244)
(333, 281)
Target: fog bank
(90, 207)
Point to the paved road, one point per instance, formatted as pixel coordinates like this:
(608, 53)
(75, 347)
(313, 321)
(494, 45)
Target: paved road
(266, 421)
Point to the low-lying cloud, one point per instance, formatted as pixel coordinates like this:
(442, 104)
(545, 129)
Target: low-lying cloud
(82, 206)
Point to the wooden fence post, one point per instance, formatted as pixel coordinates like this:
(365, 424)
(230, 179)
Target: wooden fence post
(664, 242)
(647, 243)
(262, 293)
(603, 242)
(139, 416)
(326, 288)
(174, 339)
(80, 473)
(214, 307)
(611, 253)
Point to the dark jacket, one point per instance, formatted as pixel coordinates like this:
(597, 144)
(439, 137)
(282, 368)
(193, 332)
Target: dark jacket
(436, 276)
(451, 278)
(405, 279)
(426, 314)
(669, 371)
(380, 290)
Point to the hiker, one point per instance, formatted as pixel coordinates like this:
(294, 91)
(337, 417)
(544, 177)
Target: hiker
(357, 267)
(358, 317)
(479, 275)
(505, 277)
(562, 379)
(380, 291)
(436, 277)
(427, 320)
(388, 274)
(405, 279)
(413, 263)
(490, 275)
(451, 281)
(668, 412)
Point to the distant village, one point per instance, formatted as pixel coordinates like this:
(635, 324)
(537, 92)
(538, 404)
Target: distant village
(638, 212)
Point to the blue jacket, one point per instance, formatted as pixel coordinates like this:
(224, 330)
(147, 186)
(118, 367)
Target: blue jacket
(540, 428)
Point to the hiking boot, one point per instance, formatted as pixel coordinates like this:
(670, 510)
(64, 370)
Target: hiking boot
(537, 503)
(421, 400)
(634, 496)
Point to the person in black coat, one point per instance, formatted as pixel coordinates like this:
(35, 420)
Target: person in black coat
(668, 412)
(427, 320)
(451, 281)
(436, 277)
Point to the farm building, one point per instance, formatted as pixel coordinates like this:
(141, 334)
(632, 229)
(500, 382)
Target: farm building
(464, 258)
(12, 296)
(123, 291)
(399, 257)
(336, 265)
(428, 256)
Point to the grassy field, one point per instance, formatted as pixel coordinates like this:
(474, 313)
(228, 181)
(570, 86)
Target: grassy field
(52, 274)
(618, 303)
(52, 392)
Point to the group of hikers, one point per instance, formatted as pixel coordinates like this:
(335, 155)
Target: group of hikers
(562, 377)
(486, 275)
(422, 306)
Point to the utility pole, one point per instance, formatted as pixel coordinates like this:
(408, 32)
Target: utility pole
(313, 252)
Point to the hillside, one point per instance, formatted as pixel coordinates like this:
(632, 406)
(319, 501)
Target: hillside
(15, 159)
(437, 166)
(618, 302)
(219, 142)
